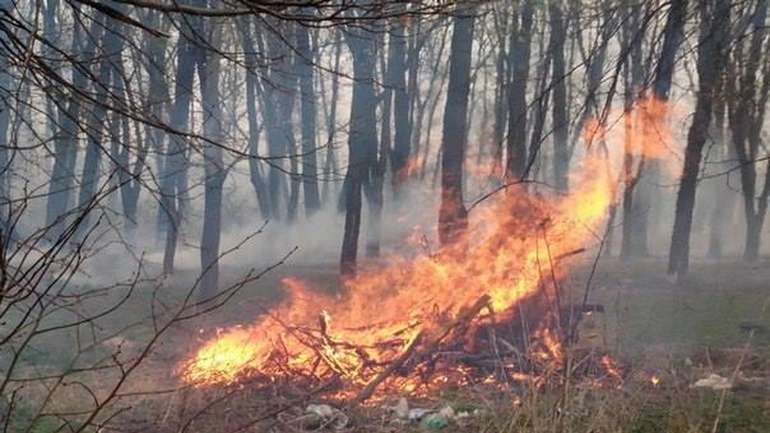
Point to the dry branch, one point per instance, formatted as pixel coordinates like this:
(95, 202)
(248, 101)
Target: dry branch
(463, 318)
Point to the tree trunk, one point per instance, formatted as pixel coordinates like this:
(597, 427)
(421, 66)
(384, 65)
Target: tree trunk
(521, 38)
(559, 113)
(453, 217)
(252, 84)
(172, 182)
(362, 139)
(5, 153)
(711, 58)
(330, 163)
(632, 244)
(213, 165)
(66, 142)
(723, 196)
(308, 113)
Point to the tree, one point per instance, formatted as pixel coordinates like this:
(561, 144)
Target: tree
(711, 61)
(252, 92)
(518, 63)
(173, 184)
(213, 165)
(398, 69)
(559, 114)
(747, 104)
(362, 141)
(309, 115)
(453, 217)
(645, 196)
(66, 137)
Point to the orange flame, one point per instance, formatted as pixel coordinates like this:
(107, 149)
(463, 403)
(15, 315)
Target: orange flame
(513, 240)
(643, 131)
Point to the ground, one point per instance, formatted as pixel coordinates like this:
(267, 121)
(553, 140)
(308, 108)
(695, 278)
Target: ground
(714, 321)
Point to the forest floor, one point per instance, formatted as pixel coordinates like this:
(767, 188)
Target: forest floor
(678, 332)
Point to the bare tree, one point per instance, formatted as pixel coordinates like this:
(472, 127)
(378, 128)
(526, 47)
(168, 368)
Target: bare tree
(453, 217)
(711, 61)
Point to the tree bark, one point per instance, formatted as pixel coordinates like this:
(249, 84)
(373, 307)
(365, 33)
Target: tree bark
(308, 114)
(362, 142)
(711, 59)
(213, 165)
(398, 70)
(518, 58)
(559, 114)
(62, 179)
(453, 217)
(173, 185)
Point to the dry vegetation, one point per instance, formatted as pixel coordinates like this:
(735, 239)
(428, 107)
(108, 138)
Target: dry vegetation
(671, 334)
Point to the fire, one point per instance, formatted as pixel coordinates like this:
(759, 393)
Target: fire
(644, 132)
(612, 369)
(514, 242)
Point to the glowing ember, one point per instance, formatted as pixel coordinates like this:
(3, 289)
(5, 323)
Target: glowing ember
(654, 380)
(612, 369)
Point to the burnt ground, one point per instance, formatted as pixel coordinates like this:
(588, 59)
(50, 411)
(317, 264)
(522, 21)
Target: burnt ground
(678, 332)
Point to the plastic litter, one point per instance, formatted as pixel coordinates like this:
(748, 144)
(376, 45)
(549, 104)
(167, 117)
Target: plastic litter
(713, 381)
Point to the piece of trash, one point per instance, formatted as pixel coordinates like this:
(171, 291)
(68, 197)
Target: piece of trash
(447, 412)
(435, 421)
(327, 416)
(417, 413)
(713, 381)
(746, 326)
(401, 408)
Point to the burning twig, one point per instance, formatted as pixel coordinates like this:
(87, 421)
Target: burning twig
(463, 318)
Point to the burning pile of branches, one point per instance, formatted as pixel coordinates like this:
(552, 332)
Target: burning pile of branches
(489, 304)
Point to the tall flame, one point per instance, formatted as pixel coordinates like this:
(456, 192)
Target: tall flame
(513, 240)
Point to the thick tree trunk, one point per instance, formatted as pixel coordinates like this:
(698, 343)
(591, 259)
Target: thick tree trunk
(62, 180)
(453, 217)
(5, 152)
(330, 162)
(521, 38)
(747, 112)
(646, 193)
(559, 115)
(711, 59)
(279, 87)
(172, 182)
(208, 76)
(397, 70)
(308, 114)
(724, 198)
(252, 84)
(632, 244)
(362, 143)
(111, 46)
